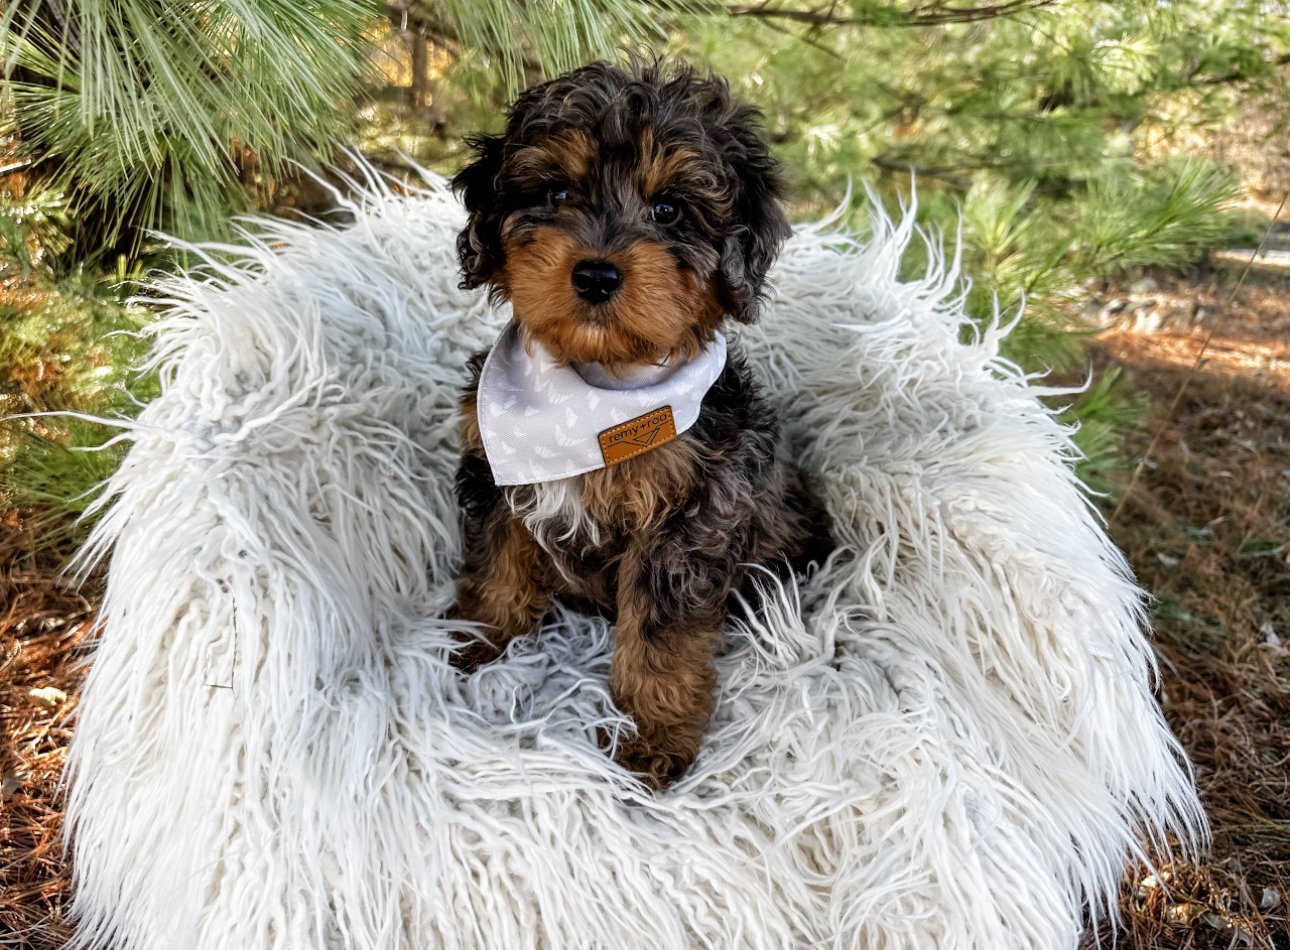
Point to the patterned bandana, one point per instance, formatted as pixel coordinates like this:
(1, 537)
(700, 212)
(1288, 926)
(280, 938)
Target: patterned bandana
(541, 421)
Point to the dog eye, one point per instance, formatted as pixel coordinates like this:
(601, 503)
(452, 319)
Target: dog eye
(665, 211)
(559, 194)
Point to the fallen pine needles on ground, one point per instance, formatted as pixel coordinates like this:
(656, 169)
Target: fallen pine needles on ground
(44, 625)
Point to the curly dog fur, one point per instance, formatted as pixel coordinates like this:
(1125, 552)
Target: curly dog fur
(660, 179)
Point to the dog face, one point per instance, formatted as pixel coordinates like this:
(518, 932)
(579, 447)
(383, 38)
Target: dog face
(623, 213)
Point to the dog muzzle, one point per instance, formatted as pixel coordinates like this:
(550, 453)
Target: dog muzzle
(542, 421)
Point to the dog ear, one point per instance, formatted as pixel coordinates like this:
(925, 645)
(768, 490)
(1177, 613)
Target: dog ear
(479, 245)
(761, 227)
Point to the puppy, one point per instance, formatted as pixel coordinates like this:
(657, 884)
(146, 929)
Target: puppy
(615, 453)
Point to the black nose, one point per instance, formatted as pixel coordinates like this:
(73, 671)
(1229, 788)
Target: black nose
(596, 281)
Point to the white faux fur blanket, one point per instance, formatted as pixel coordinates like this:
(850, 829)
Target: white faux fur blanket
(946, 739)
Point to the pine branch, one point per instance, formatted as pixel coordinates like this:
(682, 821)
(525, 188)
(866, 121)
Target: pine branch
(930, 14)
(947, 175)
(1238, 75)
(138, 110)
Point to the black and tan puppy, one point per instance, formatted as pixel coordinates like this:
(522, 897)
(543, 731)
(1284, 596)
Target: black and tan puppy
(625, 214)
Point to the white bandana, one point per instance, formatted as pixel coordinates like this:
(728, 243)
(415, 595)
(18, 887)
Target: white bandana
(541, 421)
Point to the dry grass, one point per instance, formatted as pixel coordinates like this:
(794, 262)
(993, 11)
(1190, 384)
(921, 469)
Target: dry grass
(1206, 526)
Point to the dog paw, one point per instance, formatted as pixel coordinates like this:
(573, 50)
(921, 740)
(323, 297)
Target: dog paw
(472, 654)
(655, 765)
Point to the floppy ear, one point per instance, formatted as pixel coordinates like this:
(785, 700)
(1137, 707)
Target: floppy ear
(479, 245)
(760, 226)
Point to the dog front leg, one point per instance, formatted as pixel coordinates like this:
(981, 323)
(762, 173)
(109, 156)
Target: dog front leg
(662, 674)
(501, 585)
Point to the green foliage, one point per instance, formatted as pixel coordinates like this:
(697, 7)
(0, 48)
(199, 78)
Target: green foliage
(1157, 214)
(36, 223)
(501, 45)
(1039, 133)
(1102, 414)
(67, 344)
(1035, 129)
(146, 114)
(1043, 251)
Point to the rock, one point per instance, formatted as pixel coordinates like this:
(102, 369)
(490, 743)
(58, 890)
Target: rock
(51, 697)
(1271, 898)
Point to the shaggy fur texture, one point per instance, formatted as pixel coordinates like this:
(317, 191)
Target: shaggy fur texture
(659, 180)
(947, 739)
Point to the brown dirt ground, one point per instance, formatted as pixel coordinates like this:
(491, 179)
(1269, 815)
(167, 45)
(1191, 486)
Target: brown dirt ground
(44, 624)
(1206, 525)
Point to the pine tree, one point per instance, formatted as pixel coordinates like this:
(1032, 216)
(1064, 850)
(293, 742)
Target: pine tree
(149, 114)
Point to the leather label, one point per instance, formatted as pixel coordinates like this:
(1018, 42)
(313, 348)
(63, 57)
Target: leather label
(637, 435)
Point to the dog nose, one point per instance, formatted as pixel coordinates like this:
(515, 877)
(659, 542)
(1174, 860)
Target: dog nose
(596, 281)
